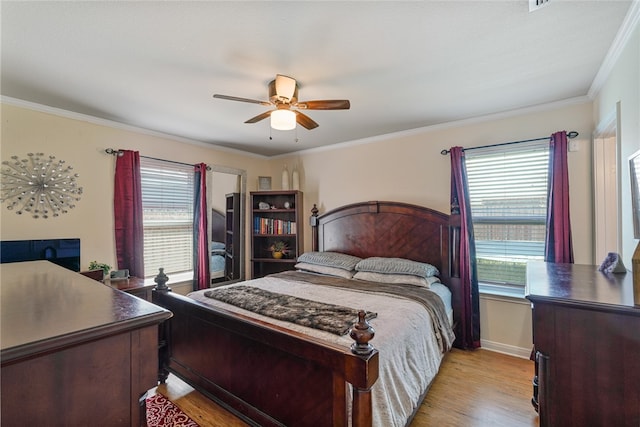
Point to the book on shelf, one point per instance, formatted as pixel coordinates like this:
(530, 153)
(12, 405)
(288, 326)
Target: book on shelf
(273, 226)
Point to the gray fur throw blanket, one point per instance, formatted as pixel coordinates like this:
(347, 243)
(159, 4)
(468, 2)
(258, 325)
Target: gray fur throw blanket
(327, 317)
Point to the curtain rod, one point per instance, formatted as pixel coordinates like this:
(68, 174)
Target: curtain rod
(570, 135)
(117, 153)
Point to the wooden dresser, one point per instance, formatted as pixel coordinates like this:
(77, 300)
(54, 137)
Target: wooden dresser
(586, 333)
(74, 351)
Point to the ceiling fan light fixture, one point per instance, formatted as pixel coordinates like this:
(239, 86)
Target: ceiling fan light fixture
(283, 119)
(285, 87)
(283, 98)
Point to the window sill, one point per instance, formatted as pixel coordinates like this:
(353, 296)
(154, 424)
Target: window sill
(502, 292)
(173, 278)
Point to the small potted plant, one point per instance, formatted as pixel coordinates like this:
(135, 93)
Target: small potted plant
(278, 249)
(95, 265)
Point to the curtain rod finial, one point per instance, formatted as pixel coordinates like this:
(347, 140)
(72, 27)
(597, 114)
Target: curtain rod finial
(114, 152)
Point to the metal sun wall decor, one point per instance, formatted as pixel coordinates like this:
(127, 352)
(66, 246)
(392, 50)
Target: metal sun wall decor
(39, 185)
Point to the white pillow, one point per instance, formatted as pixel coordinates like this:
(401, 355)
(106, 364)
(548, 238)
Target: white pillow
(323, 269)
(407, 279)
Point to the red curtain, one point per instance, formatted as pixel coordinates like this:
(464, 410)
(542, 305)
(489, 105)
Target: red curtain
(558, 245)
(469, 319)
(127, 206)
(201, 273)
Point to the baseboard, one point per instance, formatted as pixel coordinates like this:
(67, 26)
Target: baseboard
(511, 350)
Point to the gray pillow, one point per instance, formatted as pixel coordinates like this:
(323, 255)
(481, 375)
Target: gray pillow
(330, 259)
(397, 266)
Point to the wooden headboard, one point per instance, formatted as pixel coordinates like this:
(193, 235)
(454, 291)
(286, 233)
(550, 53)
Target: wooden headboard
(217, 226)
(393, 229)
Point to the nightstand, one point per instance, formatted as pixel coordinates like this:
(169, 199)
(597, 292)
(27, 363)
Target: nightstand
(133, 285)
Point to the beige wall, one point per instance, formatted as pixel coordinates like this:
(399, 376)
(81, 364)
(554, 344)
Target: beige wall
(219, 186)
(409, 168)
(623, 87)
(81, 144)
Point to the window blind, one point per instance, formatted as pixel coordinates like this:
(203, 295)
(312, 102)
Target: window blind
(508, 201)
(167, 208)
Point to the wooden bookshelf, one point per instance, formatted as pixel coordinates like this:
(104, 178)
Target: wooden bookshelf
(275, 216)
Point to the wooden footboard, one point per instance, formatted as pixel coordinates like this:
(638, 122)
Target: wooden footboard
(266, 375)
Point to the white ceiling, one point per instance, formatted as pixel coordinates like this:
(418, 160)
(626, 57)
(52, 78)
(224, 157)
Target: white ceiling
(403, 65)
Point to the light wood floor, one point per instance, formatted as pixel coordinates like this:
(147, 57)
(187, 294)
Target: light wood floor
(473, 389)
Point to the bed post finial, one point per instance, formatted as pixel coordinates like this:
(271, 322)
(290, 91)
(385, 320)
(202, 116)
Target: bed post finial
(455, 206)
(313, 221)
(161, 279)
(362, 333)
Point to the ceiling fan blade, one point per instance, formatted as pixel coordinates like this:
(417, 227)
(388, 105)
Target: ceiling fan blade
(285, 86)
(235, 98)
(327, 104)
(259, 117)
(305, 121)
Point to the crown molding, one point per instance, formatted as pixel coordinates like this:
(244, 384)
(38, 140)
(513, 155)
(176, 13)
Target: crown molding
(443, 126)
(378, 138)
(624, 33)
(116, 125)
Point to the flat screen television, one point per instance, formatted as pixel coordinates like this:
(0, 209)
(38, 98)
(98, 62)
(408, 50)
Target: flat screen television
(634, 173)
(64, 252)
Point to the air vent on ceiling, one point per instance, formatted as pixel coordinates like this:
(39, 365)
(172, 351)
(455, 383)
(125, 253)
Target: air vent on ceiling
(537, 4)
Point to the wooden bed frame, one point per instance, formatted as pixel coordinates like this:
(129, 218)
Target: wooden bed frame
(272, 376)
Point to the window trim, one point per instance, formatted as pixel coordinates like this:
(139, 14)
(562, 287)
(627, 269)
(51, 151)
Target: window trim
(161, 175)
(514, 290)
(505, 290)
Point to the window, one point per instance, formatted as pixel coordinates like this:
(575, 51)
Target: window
(508, 201)
(167, 215)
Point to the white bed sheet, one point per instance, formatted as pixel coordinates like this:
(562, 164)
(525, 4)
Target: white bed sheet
(405, 371)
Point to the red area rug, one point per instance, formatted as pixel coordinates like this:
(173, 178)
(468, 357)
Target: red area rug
(161, 412)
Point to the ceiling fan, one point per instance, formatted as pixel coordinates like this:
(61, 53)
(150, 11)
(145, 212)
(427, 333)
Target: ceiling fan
(283, 97)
